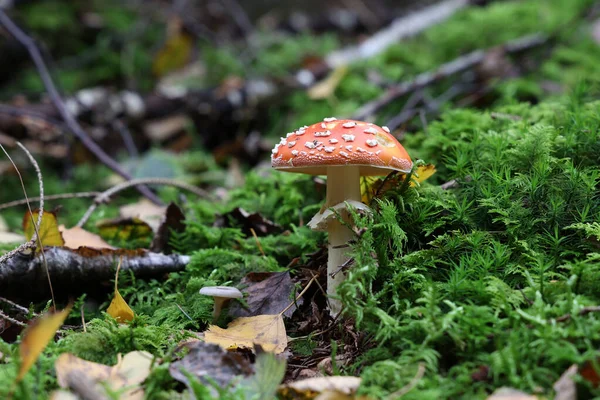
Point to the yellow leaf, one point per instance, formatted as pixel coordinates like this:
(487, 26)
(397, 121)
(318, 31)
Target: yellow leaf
(130, 371)
(327, 86)
(124, 229)
(36, 338)
(423, 173)
(374, 187)
(175, 53)
(266, 330)
(48, 230)
(119, 309)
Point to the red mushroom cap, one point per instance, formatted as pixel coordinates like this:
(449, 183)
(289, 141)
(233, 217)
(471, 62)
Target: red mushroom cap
(345, 142)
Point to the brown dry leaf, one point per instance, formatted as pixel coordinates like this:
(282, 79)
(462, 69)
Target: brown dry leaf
(210, 363)
(146, 211)
(36, 338)
(267, 293)
(330, 387)
(78, 237)
(326, 88)
(130, 371)
(265, 330)
(172, 221)
(118, 308)
(48, 230)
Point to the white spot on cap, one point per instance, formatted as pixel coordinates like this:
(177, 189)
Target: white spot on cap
(329, 149)
(282, 141)
(372, 142)
(333, 141)
(303, 153)
(330, 119)
(349, 148)
(370, 130)
(299, 132)
(324, 133)
(323, 125)
(360, 150)
(350, 124)
(294, 153)
(385, 128)
(291, 144)
(378, 151)
(348, 138)
(343, 153)
(289, 134)
(310, 145)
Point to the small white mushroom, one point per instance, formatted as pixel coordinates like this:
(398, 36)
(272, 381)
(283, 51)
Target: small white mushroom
(221, 294)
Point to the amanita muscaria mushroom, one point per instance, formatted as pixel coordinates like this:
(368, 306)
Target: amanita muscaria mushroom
(344, 150)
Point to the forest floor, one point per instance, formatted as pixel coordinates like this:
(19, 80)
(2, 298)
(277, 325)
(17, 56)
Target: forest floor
(479, 280)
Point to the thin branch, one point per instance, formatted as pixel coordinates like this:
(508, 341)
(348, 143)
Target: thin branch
(51, 197)
(31, 243)
(411, 385)
(58, 102)
(15, 305)
(583, 311)
(11, 319)
(105, 196)
(446, 70)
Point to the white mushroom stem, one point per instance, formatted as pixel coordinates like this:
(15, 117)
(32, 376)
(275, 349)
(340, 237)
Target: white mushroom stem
(219, 303)
(343, 184)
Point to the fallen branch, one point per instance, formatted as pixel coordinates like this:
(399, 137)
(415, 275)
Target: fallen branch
(72, 270)
(446, 70)
(58, 102)
(399, 29)
(61, 196)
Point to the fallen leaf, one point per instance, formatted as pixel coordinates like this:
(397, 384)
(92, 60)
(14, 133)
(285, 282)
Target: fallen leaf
(247, 221)
(565, 387)
(118, 308)
(36, 338)
(175, 53)
(267, 293)
(326, 88)
(506, 393)
(336, 386)
(209, 362)
(172, 221)
(78, 237)
(130, 371)
(265, 330)
(146, 211)
(48, 229)
(124, 229)
(372, 187)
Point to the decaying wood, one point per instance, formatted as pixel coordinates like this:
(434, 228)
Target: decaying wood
(24, 274)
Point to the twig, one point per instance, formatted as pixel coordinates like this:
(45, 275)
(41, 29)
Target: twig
(583, 311)
(446, 70)
(31, 243)
(449, 185)
(17, 306)
(105, 196)
(50, 198)
(122, 129)
(58, 102)
(237, 12)
(411, 385)
(300, 294)
(11, 319)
